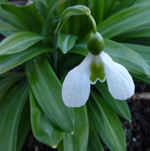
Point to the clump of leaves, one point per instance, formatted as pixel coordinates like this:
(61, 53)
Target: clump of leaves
(31, 83)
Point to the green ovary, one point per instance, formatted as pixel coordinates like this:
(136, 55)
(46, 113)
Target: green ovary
(97, 71)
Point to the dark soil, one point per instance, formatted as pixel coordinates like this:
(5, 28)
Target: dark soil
(137, 132)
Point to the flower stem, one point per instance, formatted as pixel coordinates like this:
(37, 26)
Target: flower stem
(93, 23)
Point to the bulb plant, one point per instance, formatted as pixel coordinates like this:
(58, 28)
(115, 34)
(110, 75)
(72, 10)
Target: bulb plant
(52, 51)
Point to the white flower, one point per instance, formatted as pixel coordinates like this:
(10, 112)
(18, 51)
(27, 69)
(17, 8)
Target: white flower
(76, 86)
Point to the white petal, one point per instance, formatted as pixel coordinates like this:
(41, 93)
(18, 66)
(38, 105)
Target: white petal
(119, 81)
(76, 86)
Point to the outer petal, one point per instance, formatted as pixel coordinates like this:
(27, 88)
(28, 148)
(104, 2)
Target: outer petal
(119, 81)
(76, 86)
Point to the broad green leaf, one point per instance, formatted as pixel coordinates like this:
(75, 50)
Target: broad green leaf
(24, 126)
(119, 106)
(19, 42)
(79, 140)
(96, 119)
(141, 31)
(139, 1)
(121, 54)
(127, 19)
(10, 61)
(47, 90)
(112, 124)
(141, 78)
(60, 146)
(121, 5)
(52, 5)
(4, 1)
(94, 143)
(43, 129)
(42, 6)
(8, 82)
(143, 51)
(108, 6)
(97, 10)
(11, 107)
(80, 49)
(66, 42)
(23, 17)
(6, 29)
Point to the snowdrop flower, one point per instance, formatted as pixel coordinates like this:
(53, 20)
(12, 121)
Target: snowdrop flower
(97, 65)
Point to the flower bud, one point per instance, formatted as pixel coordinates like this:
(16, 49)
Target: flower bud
(95, 43)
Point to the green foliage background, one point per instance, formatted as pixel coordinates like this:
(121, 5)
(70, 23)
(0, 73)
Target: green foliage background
(30, 85)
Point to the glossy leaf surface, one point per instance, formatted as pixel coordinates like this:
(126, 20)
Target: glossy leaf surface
(43, 129)
(66, 42)
(10, 61)
(119, 106)
(11, 107)
(19, 42)
(47, 90)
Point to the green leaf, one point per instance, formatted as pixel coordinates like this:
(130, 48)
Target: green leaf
(95, 117)
(60, 146)
(97, 10)
(42, 6)
(112, 124)
(127, 19)
(121, 5)
(66, 42)
(23, 17)
(94, 143)
(119, 106)
(8, 82)
(11, 107)
(10, 61)
(143, 51)
(52, 5)
(24, 126)
(127, 57)
(43, 129)
(19, 42)
(108, 6)
(47, 91)
(4, 1)
(6, 29)
(79, 140)
(141, 31)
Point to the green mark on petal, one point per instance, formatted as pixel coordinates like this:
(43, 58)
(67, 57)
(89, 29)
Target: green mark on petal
(97, 71)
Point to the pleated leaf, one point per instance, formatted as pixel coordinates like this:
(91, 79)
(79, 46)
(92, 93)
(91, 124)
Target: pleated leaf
(79, 140)
(6, 29)
(66, 42)
(96, 119)
(10, 61)
(24, 126)
(19, 42)
(94, 143)
(119, 106)
(22, 17)
(11, 107)
(112, 124)
(43, 129)
(47, 90)
(124, 20)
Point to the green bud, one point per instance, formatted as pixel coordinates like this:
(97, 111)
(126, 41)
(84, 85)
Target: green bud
(95, 43)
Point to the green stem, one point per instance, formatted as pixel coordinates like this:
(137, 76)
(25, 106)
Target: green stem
(55, 50)
(93, 23)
